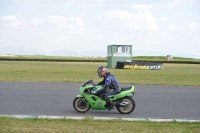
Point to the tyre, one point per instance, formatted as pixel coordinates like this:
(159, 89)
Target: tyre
(129, 107)
(81, 105)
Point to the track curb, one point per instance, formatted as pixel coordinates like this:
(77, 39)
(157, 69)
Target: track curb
(100, 118)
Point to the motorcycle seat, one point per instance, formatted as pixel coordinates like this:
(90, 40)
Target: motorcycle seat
(126, 88)
(114, 92)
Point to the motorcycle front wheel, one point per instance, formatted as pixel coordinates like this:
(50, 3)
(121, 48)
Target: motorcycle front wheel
(81, 105)
(129, 107)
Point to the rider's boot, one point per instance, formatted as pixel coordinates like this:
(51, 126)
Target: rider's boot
(118, 104)
(110, 103)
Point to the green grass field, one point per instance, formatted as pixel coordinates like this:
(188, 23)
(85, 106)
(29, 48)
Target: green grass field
(77, 72)
(173, 74)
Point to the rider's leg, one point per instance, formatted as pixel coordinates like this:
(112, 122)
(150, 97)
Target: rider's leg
(103, 96)
(109, 102)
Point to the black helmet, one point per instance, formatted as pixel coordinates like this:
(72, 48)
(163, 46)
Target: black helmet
(101, 71)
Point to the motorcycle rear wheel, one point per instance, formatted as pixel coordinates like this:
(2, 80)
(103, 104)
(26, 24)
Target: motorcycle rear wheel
(129, 107)
(81, 105)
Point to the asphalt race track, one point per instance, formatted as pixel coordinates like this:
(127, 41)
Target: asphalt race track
(152, 101)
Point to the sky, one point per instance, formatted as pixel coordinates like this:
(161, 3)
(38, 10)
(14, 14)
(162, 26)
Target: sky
(87, 27)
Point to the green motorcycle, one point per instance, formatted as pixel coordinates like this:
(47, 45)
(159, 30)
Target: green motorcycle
(86, 100)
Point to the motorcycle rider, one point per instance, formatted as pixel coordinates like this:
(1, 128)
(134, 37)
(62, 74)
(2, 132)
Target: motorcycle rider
(109, 82)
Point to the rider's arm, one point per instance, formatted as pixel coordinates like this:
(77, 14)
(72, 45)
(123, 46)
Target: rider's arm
(102, 90)
(102, 82)
(106, 84)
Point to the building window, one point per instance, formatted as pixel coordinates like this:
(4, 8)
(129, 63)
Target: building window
(122, 49)
(119, 49)
(109, 49)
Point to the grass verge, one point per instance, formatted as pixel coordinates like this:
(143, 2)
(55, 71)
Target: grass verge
(14, 125)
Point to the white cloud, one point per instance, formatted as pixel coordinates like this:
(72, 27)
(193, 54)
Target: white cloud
(72, 23)
(10, 21)
(43, 33)
(151, 21)
(163, 33)
(164, 19)
(142, 6)
(177, 2)
(144, 20)
(172, 27)
(180, 28)
(16, 1)
(59, 20)
(133, 25)
(194, 26)
(56, 20)
(36, 21)
(118, 14)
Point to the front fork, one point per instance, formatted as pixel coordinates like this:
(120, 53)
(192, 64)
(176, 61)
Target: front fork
(82, 100)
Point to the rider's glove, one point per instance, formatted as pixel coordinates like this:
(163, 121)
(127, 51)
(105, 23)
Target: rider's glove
(93, 91)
